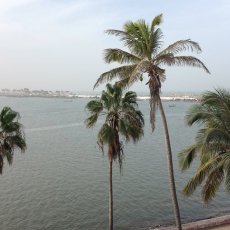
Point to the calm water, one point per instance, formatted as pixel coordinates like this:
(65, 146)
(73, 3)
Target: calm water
(61, 182)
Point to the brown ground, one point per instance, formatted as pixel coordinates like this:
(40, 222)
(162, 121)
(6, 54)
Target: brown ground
(223, 227)
(217, 223)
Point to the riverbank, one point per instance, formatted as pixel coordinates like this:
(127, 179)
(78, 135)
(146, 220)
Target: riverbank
(217, 223)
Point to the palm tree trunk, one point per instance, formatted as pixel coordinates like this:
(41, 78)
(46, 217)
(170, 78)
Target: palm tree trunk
(110, 194)
(170, 168)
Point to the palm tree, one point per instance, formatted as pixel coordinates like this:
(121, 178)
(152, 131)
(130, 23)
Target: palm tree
(146, 57)
(121, 119)
(11, 135)
(212, 144)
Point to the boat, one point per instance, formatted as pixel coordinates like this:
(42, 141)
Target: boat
(172, 105)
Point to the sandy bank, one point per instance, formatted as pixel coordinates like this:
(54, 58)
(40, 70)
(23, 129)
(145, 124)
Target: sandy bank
(217, 223)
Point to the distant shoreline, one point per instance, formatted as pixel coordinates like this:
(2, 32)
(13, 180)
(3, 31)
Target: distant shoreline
(71, 97)
(68, 95)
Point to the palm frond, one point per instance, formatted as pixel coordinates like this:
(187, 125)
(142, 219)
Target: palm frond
(129, 100)
(137, 72)
(118, 33)
(7, 116)
(119, 72)
(11, 135)
(134, 133)
(227, 181)
(91, 120)
(17, 141)
(9, 157)
(208, 148)
(1, 163)
(145, 38)
(197, 114)
(156, 21)
(137, 39)
(155, 42)
(186, 157)
(217, 136)
(180, 46)
(220, 99)
(94, 106)
(11, 126)
(131, 125)
(226, 166)
(212, 97)
(120, 56)
(171, 60)
(200, 175)
(212, 184)
(106, 134)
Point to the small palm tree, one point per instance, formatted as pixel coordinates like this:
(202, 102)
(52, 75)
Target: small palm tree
(145, 56)
(212, 144)
(11, 135)
(121, 118)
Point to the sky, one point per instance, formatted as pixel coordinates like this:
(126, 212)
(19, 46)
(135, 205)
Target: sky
(58, 44)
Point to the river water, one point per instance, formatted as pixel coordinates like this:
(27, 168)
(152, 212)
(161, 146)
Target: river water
(61, 182)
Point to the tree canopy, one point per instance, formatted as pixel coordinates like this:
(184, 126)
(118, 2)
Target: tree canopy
(11, 135)
(212, 144)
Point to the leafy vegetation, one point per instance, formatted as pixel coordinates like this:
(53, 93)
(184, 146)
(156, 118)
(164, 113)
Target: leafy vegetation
(11, 135)
(212, 144)
(122, 119)
(145, 57)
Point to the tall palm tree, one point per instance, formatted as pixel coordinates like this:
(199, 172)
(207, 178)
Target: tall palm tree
(11, 135)
(145, 56)
(212, 144)
(121, 118)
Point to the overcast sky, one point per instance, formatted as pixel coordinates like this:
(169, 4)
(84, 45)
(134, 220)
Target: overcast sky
(58, 44)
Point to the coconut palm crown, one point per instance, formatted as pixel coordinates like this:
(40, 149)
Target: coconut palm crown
(11, 135)
(212, 144)
(146, 56)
